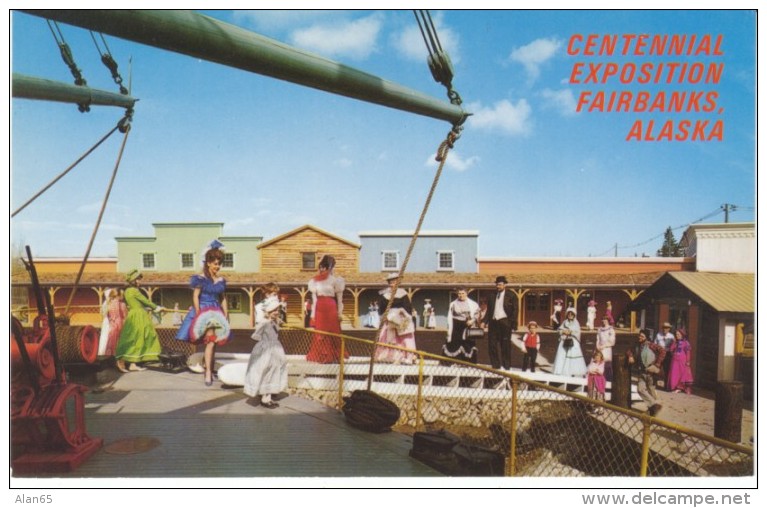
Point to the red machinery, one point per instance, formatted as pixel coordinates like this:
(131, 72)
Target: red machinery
(47, 412)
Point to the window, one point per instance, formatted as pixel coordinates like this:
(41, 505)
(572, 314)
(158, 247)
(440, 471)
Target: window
(147, 260)
(445, 260)
(308, 260)
(234, 302)
(390, 259)
(187, 260)
(544, 301)
(531, 302)
(228, 261)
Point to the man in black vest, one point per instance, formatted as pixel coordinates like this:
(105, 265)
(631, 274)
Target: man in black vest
(501, 320)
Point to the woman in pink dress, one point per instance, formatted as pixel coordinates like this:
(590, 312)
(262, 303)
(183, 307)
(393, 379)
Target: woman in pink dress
(680, 373)
(116, 312)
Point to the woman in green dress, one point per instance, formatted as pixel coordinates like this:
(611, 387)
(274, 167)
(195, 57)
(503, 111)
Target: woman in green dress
(138, 339)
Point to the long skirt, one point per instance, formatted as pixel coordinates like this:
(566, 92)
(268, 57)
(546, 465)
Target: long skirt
(138, 339)
(570, 362)
(267, 371)
(326, 348)
(104, 336)
(397, 331)
(680, 374)
(459, 346)
(596, 385)
(115, 327)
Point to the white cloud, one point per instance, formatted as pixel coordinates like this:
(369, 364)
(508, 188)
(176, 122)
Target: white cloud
(343, 162)
(504, 116)
(455, 161)
(353, 39)
(535, 54)
(561, 100)
(409, 42)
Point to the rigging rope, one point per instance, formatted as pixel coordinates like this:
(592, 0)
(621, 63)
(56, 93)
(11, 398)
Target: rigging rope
(66, 54)
(442, 71)
(83, 156)
(101, 215)
(109, 62)
(441, 157)
(439, 62)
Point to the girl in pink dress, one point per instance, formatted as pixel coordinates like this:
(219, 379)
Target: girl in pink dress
(596, 380)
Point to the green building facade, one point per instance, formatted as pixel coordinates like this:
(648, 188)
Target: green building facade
(177, 247)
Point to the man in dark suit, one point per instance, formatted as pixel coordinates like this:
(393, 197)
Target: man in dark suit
(501, 320)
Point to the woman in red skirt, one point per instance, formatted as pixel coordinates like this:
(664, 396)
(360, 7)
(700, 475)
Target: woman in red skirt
(327, 309)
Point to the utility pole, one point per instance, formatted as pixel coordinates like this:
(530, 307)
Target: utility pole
(727, 207)
(616, 249)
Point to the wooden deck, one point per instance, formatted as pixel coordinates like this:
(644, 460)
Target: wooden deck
(213, 433)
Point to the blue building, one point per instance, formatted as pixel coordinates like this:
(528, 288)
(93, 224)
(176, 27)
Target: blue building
(450, 251)
(445, 252)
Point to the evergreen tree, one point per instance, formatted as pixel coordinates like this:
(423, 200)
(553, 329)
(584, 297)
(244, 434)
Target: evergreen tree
(670, 247)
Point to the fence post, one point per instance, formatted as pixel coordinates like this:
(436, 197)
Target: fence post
(339, 403)
(620, 391)
(645, 446)
(419, 395)
(512, 464)
(728, 410)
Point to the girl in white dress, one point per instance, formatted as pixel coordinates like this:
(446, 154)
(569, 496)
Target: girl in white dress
(267, 372)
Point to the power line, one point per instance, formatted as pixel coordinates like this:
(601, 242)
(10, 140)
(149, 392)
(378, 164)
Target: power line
(645, 242)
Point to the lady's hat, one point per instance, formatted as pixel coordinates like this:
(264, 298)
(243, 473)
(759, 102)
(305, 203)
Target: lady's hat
(214, 244)
(592, 303)
(427, 300)
(569, 310)
(667, 325)
(392, 276)
(133, 276)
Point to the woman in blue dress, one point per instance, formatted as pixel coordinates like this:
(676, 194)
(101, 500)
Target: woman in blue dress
(207, 319)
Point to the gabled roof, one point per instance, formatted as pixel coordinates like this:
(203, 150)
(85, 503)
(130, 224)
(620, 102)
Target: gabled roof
(303, 228)
(724, 292)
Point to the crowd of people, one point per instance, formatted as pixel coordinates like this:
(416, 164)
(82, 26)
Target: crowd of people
(129, 335)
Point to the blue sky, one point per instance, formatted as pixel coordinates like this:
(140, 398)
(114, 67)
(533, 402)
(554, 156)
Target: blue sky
(263, 156)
